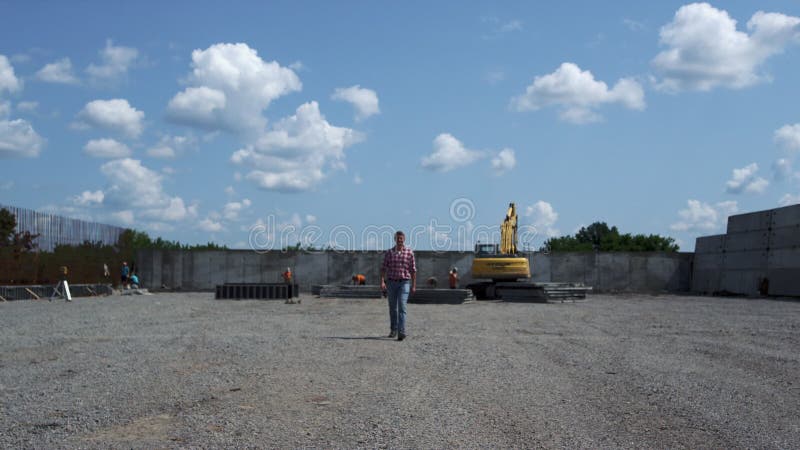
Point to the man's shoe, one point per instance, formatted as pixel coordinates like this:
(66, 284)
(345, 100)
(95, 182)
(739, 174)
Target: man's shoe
(401, 336)
(393, 334)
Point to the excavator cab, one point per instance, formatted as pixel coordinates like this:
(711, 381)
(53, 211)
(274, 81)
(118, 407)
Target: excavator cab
(482, 250)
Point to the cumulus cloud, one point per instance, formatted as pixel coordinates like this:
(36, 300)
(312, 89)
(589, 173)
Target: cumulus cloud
(789, 199)
(132, 185)
(745, 180)
(168, 147)
(543, 217)
(705, 50)
(106, 148)
(57, 72)
(8, 81)
(19, 139)
(229, 88)
(88, 198)
(296, 152)
(231, 210)
(504, 161)
(578, 94)
(788, 136)
(210, 225)
(781, 169)
(448, 154)
(114, 115)
(365, 101)
(115, 62)
(702, 217)
(27, 106)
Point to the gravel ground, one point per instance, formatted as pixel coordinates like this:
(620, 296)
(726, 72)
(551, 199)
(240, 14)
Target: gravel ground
(185, 370)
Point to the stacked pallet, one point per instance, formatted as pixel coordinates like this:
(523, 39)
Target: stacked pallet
(440, 296)
(256, 291)
(350, 291)
(542, 292)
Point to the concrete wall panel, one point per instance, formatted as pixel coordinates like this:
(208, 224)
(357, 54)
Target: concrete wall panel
(755, 221)
(784, 282)
(709, 261)
(706, 281)
(785, 237)
(710, 244)
(753, 260)
(747, 241)
(785, 259)
(614, 270)
(540, 267)
(741, 281)
(786, 216)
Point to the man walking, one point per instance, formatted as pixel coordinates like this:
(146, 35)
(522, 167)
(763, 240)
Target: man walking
(401, 270)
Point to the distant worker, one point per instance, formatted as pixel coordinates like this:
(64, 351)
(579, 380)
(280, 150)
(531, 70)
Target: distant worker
(400, 268)
(125, 273)
(134, 281)
(287, 276)
(454, 278)
(359, 279)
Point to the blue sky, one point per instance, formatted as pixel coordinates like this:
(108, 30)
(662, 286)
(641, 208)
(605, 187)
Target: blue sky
(331, 122)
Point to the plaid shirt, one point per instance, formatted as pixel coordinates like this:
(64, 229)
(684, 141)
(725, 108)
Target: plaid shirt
(399, 265)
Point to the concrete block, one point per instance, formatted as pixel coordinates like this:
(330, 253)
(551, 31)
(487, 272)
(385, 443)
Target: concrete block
(569, 267)
(783, 282)
(663, 273)
(706, 281)
(709, 261)
(786, 216)
(785, 237)
(756, 260)
(755, 221)
(744, 282)
(747, 241)
(540, 267)
(710, 244)
(784, 258)
(614, 272)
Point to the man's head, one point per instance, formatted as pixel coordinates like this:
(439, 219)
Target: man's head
(124, 263)
(399, 238)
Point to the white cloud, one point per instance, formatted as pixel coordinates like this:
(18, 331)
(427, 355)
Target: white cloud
(168, 147)
(5, 109)
(310, 218)
(577, 93)
(296, 152)
(125, 217)
(87, 198)
(789, 199)
(231, 210)
(448, 154)
(357, 179)
(230, 190)
(633, 25)
(504, 161)
(702, 217)
(6, 185)
(115, 62)
(27, 106)
(210, 225)
(19, 139)
(543, 217)
(57, 72)
(230, 86)
(704, 49)
(364, 100)
(788, 136)
(781, 169)
(115, 115)
(495, 76)
(106, 148)
(8, 81)
(745, 180)
(133, 185)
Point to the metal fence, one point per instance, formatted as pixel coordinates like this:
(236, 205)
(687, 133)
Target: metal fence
(58, 230)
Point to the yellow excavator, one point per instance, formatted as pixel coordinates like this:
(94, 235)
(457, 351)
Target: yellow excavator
(501, 264)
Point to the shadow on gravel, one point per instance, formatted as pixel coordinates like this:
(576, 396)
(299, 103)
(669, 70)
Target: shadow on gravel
(368, 338)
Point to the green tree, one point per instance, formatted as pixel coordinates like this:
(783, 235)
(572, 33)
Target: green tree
(8, 223)
(600, 237)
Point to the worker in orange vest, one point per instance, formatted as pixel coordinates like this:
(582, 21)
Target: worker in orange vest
(287, 276)
(359, 279)
(453, 278)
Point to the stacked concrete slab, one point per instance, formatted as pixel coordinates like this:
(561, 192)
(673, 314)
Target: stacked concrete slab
(759, 252)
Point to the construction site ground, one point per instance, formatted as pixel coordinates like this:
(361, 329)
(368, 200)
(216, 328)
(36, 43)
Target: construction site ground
(185, 370)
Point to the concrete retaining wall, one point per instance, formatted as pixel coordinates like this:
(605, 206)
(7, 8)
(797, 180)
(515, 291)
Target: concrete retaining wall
(203, 270)
(762, 245)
